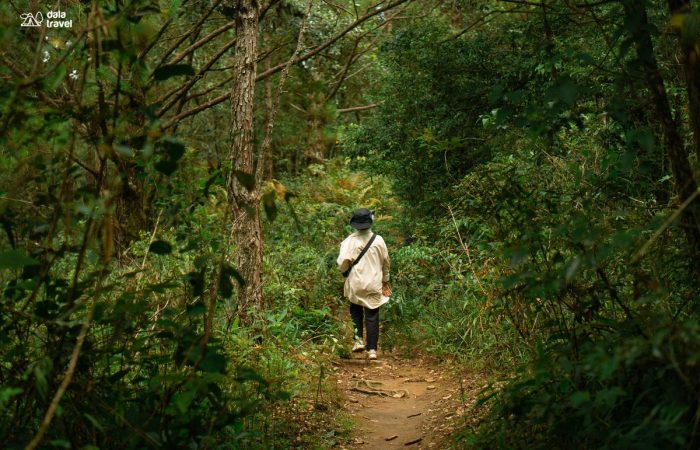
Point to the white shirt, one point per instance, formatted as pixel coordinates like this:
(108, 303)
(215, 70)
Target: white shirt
(364, 285)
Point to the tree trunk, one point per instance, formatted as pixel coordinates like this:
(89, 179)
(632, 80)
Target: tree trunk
(691, 70)
(244, 198)
(685, 184)
(265, 168)
(316, 140)
(455, 16)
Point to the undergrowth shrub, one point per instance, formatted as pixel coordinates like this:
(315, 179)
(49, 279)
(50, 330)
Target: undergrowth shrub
(303, 245)
(162, 365)
(609, 334)
(624, 390)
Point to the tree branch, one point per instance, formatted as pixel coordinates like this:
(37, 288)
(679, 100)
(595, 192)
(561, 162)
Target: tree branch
(333, 40)
(274, 104)
(184, 37)
(182, 91)
(180, 56)
(223, 97)
(359, 108)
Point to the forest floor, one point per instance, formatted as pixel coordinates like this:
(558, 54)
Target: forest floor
(405, 402)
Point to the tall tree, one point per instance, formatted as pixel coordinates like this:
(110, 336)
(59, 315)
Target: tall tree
(685, 20)
(243, 188)
(244, 194)
(685, 184)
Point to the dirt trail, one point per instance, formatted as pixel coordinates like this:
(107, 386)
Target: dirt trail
(403, 403)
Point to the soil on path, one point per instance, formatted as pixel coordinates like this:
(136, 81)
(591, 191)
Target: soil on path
(397, 402)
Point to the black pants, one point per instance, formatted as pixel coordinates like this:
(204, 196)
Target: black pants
(360, 316)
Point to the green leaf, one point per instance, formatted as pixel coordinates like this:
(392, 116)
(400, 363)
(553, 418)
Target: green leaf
(14, 259)
(6, 394)
(270, 206)
(172, 70)
(196, 309)
(215, 178)
(124, 150)
(94, 421)
(111, 44)
(166, 167)
(579, 398)
(160, 247)
(646, 141)
(246, 179)
(175, 150)
(573, 268)
(225, 286)
(118, 376)
(496, 93)
(196, 280)
(53, 80)
(231, 272)
(608, 397)
(214, 361)
(503, 114)
(42, 386)
(567, 92)
(183, 399)
(244, 374)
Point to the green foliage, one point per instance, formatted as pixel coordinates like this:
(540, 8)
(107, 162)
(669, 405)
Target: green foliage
(590, 323)
(172, 70)
(116, 270)
(308, 241)
(535, 172)
(624, 391)
(515, 158)
(426, 135)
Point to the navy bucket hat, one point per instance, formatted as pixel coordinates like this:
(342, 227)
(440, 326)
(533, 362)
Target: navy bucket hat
(361, 219)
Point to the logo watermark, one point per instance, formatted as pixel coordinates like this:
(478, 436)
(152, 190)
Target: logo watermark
(54, 19)
(31, 20)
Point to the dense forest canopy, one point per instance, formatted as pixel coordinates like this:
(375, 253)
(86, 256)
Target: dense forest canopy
(176, 177)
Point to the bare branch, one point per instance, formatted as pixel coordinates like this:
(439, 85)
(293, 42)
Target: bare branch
(183, 90)
(184, 37)
(180, 56)
(334, 39)
(223, 97)
(359, 108)
(482, 20)
(273, 104)
(346, 69)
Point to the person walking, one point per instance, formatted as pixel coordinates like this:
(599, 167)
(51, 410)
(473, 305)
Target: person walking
(364, 261)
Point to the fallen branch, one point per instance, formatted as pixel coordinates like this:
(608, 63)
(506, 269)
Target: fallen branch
(365, 387)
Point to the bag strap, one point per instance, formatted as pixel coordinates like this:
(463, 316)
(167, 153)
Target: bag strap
(362, 253)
